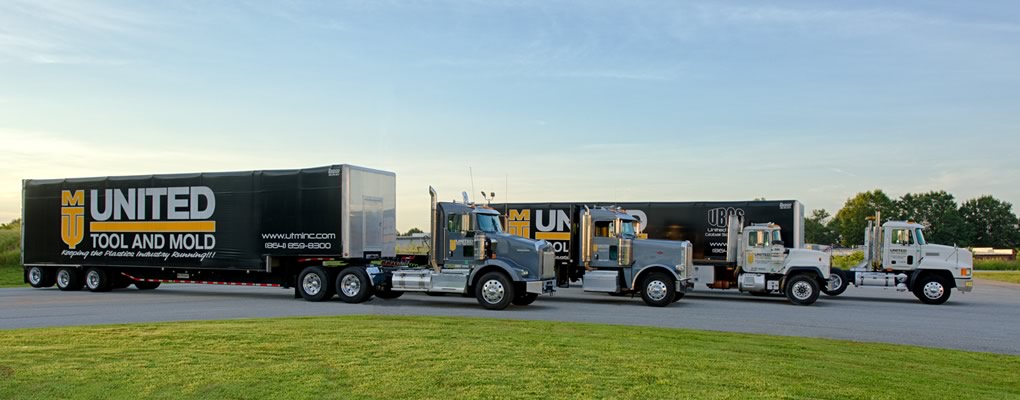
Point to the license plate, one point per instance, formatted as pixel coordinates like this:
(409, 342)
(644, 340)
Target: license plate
(548, 287)
(969, 284)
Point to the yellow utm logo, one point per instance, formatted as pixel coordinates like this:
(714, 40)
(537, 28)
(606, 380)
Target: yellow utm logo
(72, 217)
(519, 223)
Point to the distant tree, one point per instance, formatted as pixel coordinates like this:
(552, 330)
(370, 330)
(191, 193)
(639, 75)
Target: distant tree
(850, 221)
(759, 199)
(817, 229)
(938, 212)
(412, 231)
(992, 222)
(15, 224)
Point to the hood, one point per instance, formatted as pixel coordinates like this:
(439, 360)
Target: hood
(948, 254)
(810, 256)
(665, 252)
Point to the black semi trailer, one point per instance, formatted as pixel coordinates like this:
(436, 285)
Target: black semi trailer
(701, 223)
(322, 231)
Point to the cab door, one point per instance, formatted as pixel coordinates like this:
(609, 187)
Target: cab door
(902, 250)
(606, 246)
(459, 244)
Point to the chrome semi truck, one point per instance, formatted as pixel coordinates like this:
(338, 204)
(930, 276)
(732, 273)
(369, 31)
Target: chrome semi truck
(325, 232)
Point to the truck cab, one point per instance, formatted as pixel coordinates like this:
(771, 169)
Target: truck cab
(471, 254)
(896, 255)
(617, 261)
(758, 262)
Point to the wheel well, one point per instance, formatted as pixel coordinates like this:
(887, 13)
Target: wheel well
(643, 273)
(946, 276)
(484, 270)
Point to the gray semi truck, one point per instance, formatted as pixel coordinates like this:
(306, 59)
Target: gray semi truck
(600, 247)
(322, 231)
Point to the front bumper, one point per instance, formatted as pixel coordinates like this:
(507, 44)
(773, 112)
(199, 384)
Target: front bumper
(541, 287)
(965, 284)
(684, 285)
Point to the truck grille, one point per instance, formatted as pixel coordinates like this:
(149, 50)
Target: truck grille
(548, 261)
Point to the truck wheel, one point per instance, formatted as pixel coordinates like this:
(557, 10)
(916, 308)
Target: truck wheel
(314, 284)
(932, 289)
(97, 280)
(494, 291)
(802, 290)
(353, 285)
(40, 277)
(69, 279)
(144, 285)
(525, 299)
(838, 282)
(388, 294)
(658, 289)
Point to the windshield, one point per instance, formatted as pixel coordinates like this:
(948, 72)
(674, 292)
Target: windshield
(489, 223)
(627, 230)
(776, 237)
(920, 236)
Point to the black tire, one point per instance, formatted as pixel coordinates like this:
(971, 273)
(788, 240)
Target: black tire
(97, 280)
(658, 289)
(39, 277)
(388, 294)
(69, 279)
(932, 289)
(802, 289)
(144, 285)
(121, 282)
(679, 295)
(836, 275)
(314, 284)
(353, 285)
(525, 299)
(494, 291)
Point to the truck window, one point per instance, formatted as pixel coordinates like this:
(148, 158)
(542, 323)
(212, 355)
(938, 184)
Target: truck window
(453, 223)
(920, 236)
(902, 237)
(603, 229)
(489, 223)
(757, 239)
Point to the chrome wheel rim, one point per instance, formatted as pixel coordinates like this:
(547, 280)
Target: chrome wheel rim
(933, 290)
(657, 290)
(311, 284)
(63, 278)
(801, 290)
(35, 276)
(92, 279)
(350, 285)
(835, 282)
(493, 291)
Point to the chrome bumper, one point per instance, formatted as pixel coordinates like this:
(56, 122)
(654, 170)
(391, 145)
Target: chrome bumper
(965, 284)
(541, 287)
(684, 285)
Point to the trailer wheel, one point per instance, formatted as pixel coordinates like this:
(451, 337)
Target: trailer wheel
(658, 289)
(837, 281)
(353, 285)
(932, 289)
(145, 285)
(525, 299)
(69, 279)
(494, 291)
(388, 294)
(97, 280)
(314, 284)
(802, 290)
(40, 277)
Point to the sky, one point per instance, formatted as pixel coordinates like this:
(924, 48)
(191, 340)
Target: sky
(534, 100)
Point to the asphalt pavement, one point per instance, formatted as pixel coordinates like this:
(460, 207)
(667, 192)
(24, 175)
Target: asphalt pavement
(987, 319)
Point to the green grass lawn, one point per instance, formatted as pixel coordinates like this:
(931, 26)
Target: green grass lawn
(11, 276)
(1011, 276)
(433, 357)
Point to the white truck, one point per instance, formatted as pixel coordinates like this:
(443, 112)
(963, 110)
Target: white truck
(897, 256)
(757, 262)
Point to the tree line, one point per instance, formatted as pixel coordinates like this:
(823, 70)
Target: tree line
(981, 222)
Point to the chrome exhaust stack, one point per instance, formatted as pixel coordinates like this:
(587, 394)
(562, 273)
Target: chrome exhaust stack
(433, 242)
